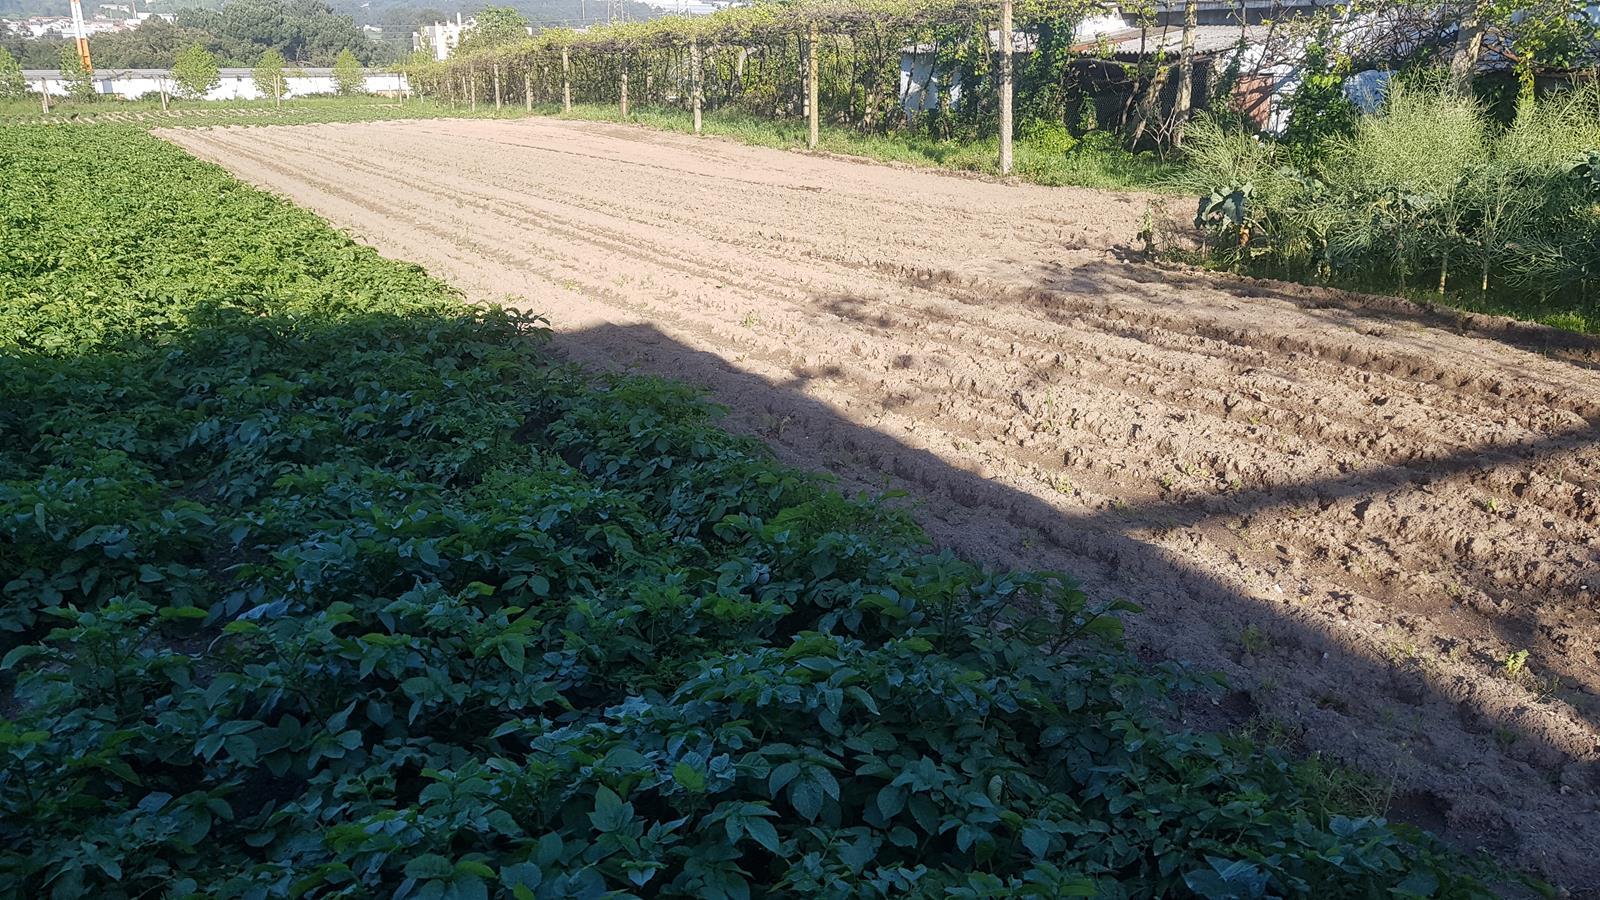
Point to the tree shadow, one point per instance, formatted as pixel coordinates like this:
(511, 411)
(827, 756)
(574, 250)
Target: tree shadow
(1338, 305)
(1485, 777)
(1063, 295)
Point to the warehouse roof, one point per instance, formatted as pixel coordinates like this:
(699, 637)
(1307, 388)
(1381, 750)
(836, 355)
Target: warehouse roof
(1207, 39)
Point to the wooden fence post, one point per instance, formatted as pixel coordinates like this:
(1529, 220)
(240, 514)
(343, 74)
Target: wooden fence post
(811, 88)
(527, 88)
(1005, 87)
(566, 80)
(497, 85)
(472, 87)
(623, 86)
(696, 91)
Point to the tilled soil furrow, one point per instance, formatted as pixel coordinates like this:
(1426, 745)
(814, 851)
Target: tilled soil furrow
(1512, 407)
(1111, 436)
(1323, 435)
(1354, 515)
(1280, 406)
(1413, 366)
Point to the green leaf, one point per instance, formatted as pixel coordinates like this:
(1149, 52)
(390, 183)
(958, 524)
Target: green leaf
(1420, 883)
(1036, 841)
(18, 654)
(513, 655)
(891, 799)
(548, 852)
(688, 777)
(467, 887)
(806, 796)
(430, 866)
(610, 813)
(858, 853)
(525, 875)
(763, 833)
(781, 776)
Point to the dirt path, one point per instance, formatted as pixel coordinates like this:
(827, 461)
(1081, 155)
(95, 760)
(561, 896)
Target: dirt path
(1355, 509)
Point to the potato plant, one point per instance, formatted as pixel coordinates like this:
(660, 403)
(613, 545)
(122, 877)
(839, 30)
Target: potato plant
(316, 581)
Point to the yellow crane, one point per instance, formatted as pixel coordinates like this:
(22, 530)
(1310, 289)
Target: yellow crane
(82, 37)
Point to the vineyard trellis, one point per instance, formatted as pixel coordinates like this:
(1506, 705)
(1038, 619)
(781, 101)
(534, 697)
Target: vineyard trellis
(829, 61)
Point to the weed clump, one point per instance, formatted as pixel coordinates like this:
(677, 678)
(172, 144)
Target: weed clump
(1427, 197)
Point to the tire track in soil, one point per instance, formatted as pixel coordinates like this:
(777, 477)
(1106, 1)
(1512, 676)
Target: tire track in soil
(1394, 506)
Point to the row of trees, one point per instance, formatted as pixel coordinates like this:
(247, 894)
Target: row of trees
(761, 58)
(830, 60)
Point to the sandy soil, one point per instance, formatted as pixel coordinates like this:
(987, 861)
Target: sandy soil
(1355, 508)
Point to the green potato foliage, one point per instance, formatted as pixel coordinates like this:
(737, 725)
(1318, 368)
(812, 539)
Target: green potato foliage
(316, 581)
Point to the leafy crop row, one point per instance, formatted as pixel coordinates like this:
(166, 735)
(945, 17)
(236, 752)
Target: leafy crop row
(316, 581)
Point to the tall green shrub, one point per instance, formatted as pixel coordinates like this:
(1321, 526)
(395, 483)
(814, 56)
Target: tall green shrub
(12, 84)
(196, 72)
(80, 84)
(1426, 193)
(1408, 170)
(269, 75)
(348, 77)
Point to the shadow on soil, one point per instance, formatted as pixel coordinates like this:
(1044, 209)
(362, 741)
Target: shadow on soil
(1518, 626)
(1582, 350)
(1511, 805)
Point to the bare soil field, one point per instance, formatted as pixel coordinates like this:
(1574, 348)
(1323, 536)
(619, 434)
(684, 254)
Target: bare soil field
(1359, 510)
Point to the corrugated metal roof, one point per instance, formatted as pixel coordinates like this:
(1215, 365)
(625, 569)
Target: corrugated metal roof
(1207, 39)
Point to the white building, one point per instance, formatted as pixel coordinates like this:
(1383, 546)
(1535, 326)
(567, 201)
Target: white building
(235, 84)
(441, 38)
(37, 27)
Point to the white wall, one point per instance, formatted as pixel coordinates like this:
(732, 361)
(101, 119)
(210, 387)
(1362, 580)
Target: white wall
(233, 86)
(920, 86)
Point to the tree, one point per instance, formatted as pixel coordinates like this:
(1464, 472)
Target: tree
(80, 86)
(1183, 106)
(347, 75)
(196, 72)
(306, 31)
(1469, 44)
(496, 26)
(268, 74)
(153, 45)
(12, 85)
